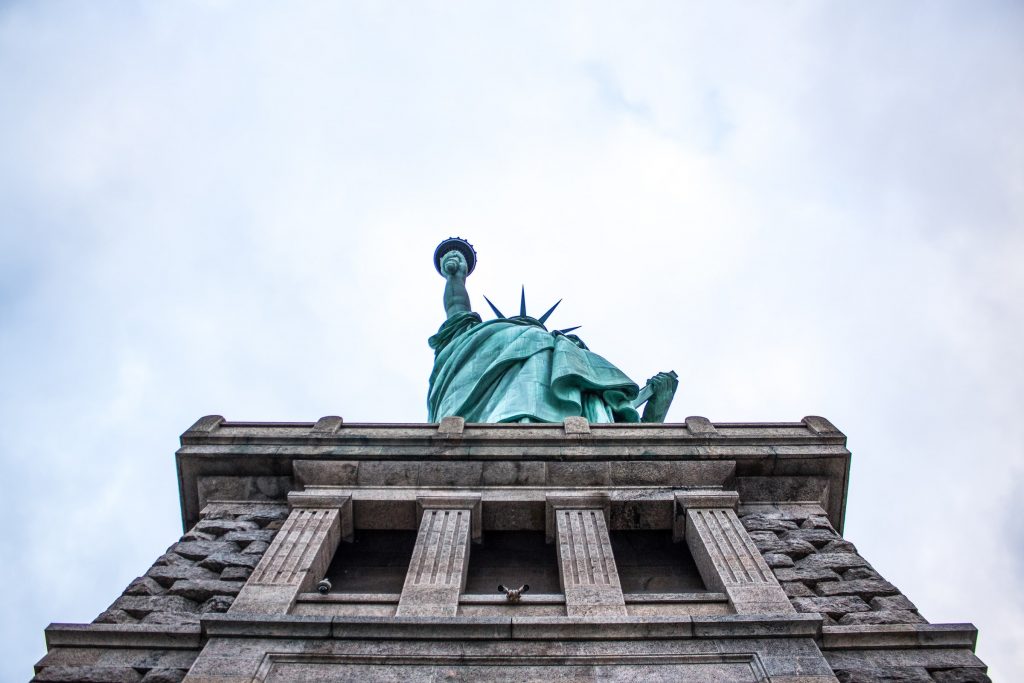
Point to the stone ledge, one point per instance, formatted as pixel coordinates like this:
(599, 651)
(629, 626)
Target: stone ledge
(898, 635)
(244, 507)
(123, 635)
(902, 657)
(292, 626)
(499, 599)
(706, 499)
(265, 625)
(320, 498)
(432, 628)
(214, 428)
(709, 596)
(552, 450)
(341, 475)
(529, 598)
(119, 657)
(759, 473)
(350, 598)
(601, 628)
(757, 626)
(505, 628)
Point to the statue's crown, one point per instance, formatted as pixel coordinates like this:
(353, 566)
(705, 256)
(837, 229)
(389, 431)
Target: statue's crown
(528, 318)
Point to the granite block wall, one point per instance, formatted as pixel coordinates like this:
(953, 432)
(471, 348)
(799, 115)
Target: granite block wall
(201, 573)
(154, 634)
(822, 572)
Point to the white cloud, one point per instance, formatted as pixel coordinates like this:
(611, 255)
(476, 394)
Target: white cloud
(230, 208)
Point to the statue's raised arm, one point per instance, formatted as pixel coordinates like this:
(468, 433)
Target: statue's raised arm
(455, 259)
(456, 297)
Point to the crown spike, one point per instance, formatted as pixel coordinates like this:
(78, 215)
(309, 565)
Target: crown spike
(570, 329)
(494, 308)
(522, 302)
(544, 318)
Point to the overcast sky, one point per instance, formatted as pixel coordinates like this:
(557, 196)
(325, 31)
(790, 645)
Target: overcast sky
(230, 208)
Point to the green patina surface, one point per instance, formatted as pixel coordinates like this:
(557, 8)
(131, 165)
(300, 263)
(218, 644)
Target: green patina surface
(515, 370)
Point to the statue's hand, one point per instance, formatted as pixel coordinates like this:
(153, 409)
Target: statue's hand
(664, 386)
(454, 264)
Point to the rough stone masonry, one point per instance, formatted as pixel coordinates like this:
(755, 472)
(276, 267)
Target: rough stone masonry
(766, 587)
(200, 574)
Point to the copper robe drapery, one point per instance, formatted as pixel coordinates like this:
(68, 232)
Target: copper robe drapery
(513, 370)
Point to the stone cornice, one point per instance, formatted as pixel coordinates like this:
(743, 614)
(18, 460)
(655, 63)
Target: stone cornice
(788, 462)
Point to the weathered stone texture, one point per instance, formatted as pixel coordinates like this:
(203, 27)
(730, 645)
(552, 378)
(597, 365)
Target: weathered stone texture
(234, 573)
(203, 590)
(217, 562)
(89, 674)
(729, 557)
(144, 585)
(961, 675)
(201, 573)
(795, 589)
(164, 676)
(167, 575)
(908, 674)
(824, 573)
(882, 617)
(437, 571)
(894, 673)
(115, 616)
(298, 555)
(588, 572)
(778, 560)
(893, 602)
(199, 550)
(833, 607)
(762, 522)
(861, 587)
(805, 600)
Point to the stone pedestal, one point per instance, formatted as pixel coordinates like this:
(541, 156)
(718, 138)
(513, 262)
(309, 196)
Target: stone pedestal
(265, 507)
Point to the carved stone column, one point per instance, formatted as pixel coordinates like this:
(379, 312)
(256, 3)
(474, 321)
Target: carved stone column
(589, 578)
(300, 553)
(725, 554)
(437, 572)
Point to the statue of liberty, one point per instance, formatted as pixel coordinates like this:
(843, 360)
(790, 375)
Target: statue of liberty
(512, 369)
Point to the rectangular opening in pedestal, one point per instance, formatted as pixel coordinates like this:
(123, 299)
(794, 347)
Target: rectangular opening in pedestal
(513, 558)
(649, 562)
(375, 562)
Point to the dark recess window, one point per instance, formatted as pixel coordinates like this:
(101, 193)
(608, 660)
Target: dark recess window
(513, 558)
(376, 562)
(649, 562)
